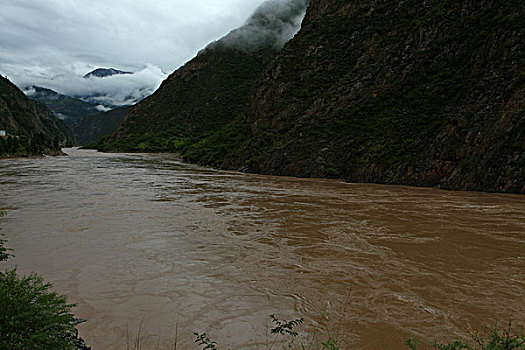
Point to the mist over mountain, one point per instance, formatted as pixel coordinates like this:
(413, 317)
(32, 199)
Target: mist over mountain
(88, 121)
(66, 108)
(110, 91)
(275, 22)
(42, 38)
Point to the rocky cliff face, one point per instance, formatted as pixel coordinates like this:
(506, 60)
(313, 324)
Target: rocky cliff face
(33, 125)
(427, 93)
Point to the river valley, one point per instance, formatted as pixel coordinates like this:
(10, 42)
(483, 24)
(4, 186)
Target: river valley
(144, 241)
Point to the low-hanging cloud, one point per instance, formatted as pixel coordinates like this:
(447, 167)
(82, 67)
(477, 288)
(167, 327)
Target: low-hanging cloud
(53, 42)
(273, 23)
(116, 90)
(102, 108)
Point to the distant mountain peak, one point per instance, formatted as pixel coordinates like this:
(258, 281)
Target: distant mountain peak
(105, 72)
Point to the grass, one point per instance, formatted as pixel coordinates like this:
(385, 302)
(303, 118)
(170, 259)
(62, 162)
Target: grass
(291, 335)
(498, 339)
(286, 334)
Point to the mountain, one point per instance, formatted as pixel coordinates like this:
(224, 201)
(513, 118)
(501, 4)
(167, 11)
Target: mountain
(104, 72)
(91, 128)
(206, 93)
(67, 108)
(424, 93)
(86, 120)
(30, 126)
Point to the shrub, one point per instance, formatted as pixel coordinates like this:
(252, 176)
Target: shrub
(32, 316)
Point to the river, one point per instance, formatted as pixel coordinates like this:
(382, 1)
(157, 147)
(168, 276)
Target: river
(143, 243)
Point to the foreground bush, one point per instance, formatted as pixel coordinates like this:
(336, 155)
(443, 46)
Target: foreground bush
(32, 316)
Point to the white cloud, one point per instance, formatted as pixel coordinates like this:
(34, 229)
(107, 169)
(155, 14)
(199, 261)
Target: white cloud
(115, 90)
(54, 43)
(102, 108)
(30, 92)
(51, 42)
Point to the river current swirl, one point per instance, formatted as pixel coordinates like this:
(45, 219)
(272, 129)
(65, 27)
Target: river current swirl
(144, 241)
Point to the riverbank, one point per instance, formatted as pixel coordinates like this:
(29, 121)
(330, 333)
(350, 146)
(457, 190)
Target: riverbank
(58, 153)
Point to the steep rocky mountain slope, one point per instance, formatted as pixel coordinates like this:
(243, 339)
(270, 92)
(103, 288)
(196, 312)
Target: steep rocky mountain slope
(31, 127)
(207, 92)
(426, 93)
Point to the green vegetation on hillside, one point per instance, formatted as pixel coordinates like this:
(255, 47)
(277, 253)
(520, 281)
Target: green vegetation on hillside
(14, 146)
(70, 108)
(167, 141)
(395, 100)
(193, 105)
(208, 148)
(30, 127)
(225, 143)
(93, 127)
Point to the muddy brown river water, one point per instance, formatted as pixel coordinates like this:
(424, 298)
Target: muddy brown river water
(145, 239)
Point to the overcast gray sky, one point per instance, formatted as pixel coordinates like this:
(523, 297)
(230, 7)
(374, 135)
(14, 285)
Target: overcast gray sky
(53, 43)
